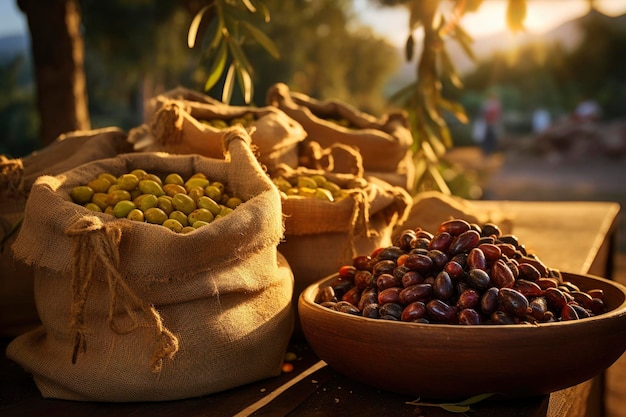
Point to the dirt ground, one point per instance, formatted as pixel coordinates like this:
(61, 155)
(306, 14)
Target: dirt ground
(511, 175)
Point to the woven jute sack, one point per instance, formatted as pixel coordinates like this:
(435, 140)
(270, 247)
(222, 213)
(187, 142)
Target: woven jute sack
(384, 143)
(431, 208)
(132, 311)
(178, 93)
(321, 236)
(186, 126)
(17, 305)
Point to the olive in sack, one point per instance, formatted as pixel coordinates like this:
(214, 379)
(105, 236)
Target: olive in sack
(465, 274)
(175, 203)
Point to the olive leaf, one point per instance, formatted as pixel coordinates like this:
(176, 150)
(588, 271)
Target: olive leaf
(460, 407)
(516, 14)
(229, 26)
(192, 34)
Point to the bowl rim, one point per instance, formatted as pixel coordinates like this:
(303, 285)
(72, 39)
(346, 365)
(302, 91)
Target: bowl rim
(307, 298)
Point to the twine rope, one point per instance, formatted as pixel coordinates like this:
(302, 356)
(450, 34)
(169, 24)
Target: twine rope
(95, 245)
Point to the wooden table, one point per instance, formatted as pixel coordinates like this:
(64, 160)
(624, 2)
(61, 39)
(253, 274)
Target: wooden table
(575, 237)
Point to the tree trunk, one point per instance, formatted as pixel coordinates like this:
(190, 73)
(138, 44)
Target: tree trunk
(58, 57)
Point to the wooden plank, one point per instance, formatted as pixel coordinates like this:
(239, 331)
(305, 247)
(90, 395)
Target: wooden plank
(572, 236)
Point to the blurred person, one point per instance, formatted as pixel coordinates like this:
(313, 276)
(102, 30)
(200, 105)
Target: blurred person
(541, 120)
(587, 110)
(491, 114)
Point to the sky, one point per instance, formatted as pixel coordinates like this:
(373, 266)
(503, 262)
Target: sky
(542, 15)
(12, 20)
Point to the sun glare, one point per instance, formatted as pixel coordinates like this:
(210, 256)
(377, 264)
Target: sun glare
(541, 16)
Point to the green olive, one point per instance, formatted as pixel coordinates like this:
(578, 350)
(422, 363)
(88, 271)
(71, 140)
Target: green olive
(112, 179)
(173, 224)
(127, 181)
(93, 207)
(146, 201)
(151, 187)
(306, 182)
(100, 199)
(196, 193)
(154, 178)
(122, 208)
(199, 223)
(188, 229)
(82, 194)
(282, 184)
(164, 202)
(209, 204)
(136, 215)
(181, 206)
(114, 197)
(320, 180)
(99, 185)
(174, 178)
(324, 194)
(155, 215)
(233, 202)
(180, 217)
(200, 215)
(183, 203)
(220, 186)
(196, 182)
(139, 173)
(173, 189)
(213, 192)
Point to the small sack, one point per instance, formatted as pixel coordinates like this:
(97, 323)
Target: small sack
(17, 305)
(431, 208)
(186, 127)
(132, 311)
(321, 236)
(385, 143)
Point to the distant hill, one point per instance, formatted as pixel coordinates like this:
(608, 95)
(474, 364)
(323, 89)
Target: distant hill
(569, 34)
(11, 46)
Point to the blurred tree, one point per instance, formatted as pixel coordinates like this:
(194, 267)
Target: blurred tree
(135, 49)
(57, 50)
(553, 77)
(321, 53)
(19, 123)
(325, 55)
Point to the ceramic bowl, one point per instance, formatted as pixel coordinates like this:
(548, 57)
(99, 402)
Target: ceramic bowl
(454, 361)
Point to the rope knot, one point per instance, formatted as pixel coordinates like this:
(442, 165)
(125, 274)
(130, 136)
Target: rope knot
(95, 251)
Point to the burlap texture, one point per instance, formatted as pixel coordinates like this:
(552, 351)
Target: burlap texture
(431, 208)
(384, 143)
(134, 312)
(17, 304)
(321, 236)
(178, 126)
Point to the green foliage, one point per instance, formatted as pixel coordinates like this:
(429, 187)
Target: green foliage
(230, 27)
(19, 121)
(555, 78)
(322, 54)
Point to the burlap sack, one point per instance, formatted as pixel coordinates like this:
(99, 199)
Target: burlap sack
(179, 93)
(182, 126)
(385, 143)
(431, 208)
(17, 304)
(321, 236)
(132, 311)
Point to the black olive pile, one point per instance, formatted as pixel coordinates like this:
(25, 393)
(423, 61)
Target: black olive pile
(462, 274)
